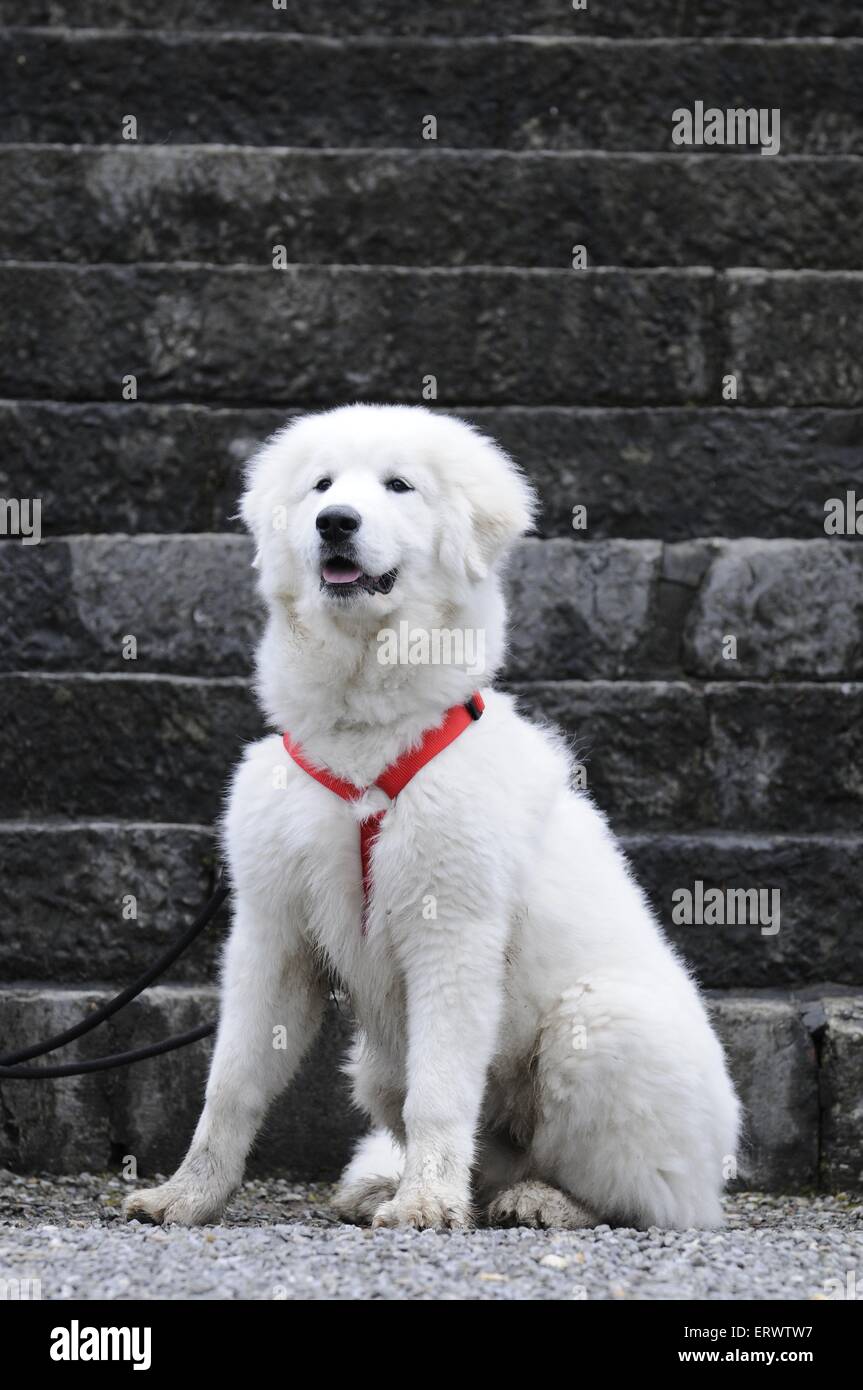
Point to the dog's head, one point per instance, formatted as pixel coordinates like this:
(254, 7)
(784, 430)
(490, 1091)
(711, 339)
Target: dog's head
(365, 509)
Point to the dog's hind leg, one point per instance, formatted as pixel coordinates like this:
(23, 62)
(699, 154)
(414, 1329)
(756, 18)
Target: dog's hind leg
(511, 1196)
(635, 1110)
(538, 1204)
(271, 1007)
(374, 1172)
(370, 1178)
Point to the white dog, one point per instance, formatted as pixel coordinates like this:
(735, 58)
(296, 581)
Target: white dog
(529, 1047)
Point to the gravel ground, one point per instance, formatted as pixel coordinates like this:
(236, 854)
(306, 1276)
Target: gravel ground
(280, 1242)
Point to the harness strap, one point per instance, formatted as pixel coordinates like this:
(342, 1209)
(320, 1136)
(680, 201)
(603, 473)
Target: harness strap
(392, 780)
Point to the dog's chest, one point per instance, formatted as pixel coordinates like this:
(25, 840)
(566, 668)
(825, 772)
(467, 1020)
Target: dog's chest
(351, 930)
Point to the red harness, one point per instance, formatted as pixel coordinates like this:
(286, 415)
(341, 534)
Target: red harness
(392, 780)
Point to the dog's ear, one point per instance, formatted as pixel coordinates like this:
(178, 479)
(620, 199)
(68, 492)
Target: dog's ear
(493, 505)
(249, 516)
(254, 508)
(263, 509)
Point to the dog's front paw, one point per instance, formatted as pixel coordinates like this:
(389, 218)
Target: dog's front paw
(178, 1203)
(425, 1209)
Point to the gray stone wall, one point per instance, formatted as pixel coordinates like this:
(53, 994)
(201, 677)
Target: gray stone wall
(705, 516)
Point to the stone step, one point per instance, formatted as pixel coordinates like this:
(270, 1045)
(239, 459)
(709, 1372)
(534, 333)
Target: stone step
(314, 334)
(667, 473)
(625, 18)
(67, 892)
(308, 335)
(660, 755)
(578, 611)
(797, 1060)
(522, 93)
(143, 203)
(149, 1110)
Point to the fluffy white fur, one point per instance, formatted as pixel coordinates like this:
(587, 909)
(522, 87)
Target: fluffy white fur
(535, 1051)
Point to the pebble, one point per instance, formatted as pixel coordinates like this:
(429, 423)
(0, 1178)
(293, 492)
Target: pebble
(280, 1241)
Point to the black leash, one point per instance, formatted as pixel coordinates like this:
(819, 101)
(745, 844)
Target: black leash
(10, 1071)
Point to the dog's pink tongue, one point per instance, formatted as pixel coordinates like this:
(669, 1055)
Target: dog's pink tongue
(335, 574)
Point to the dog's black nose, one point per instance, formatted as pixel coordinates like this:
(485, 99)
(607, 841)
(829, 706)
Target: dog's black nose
(337, 524)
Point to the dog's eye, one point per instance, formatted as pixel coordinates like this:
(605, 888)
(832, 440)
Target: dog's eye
(322, 484)
(398, 485)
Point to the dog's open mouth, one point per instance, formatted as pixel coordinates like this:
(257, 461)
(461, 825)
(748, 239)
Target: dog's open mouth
(341, 577)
